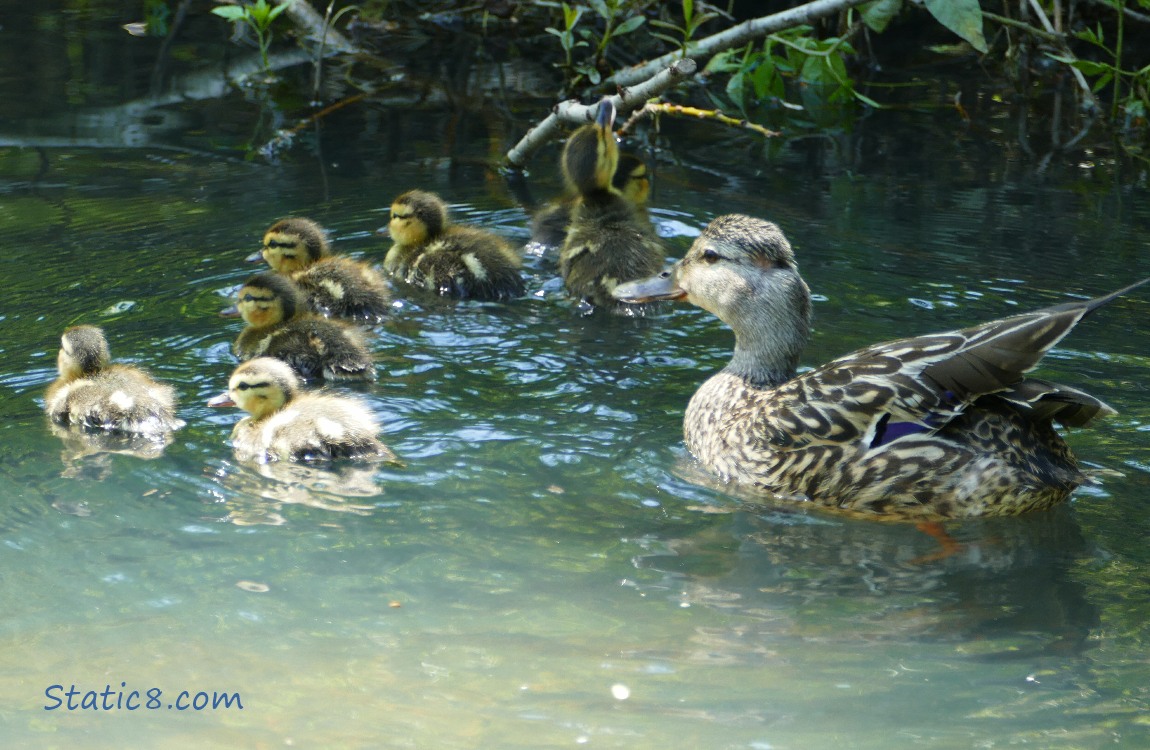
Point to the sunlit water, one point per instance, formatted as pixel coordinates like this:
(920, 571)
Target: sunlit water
(547, 568)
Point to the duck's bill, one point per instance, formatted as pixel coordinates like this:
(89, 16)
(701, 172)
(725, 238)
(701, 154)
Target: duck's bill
(661, 287)
(224, 399)
(255, 257)
(605, 116)
(230, 312)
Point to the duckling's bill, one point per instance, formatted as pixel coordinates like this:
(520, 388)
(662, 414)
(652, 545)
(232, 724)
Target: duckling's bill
(224, 399)
(652, 289)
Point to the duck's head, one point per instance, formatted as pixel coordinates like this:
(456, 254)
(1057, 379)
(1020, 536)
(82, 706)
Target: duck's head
(83, 351)
(268, 298)
(293, 244)
(631, 179)
(591, 154)
(742, 270)
(260, 386)
(417, 216)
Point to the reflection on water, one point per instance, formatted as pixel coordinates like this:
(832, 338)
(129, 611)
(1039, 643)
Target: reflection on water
(548, 568)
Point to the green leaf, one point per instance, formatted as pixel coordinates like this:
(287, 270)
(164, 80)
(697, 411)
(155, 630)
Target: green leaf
(1091, 68)
(816, 71)
(762, 80)
(279, 9)
(697, 22)
(1101, 82)
(630, 25)
(230, 12)
(722, 62)
(878, 15)
(735, 90)
(600, 7)
(688, 9)
(963, 17)
(669, 39)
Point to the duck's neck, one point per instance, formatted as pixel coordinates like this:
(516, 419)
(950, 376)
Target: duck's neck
(755, 362)
(771, 333)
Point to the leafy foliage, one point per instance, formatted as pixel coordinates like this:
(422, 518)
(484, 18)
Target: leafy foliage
(259, 17)
(618, 20)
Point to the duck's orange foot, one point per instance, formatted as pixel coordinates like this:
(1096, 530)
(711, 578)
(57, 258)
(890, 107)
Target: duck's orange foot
(947, 544)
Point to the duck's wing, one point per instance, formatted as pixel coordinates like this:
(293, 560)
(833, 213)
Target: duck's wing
(919, 384)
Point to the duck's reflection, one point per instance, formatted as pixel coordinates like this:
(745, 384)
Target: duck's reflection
(1009, 587)
(88, 453)
(257, 493)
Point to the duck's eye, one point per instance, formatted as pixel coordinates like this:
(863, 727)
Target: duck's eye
(710, 256)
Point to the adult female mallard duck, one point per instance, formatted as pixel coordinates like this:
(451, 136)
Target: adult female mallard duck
(286, 424)
(935, 426)
(279, 326)
(549, 225)
(333, 285)
(93, 393)
(609, 240)
(452, 261)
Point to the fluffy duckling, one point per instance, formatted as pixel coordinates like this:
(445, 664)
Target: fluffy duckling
(94, 393)
(452, 261)
(333, 285)
(286, 424)
(279, 326)
(610, 239)
(937, 426)
(549, 225)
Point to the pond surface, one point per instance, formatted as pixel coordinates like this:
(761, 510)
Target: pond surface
(547, 568)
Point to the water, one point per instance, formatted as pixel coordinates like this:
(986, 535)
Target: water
(548, 569)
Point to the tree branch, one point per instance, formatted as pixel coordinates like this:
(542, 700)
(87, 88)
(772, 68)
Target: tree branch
(571, 111)
(736, 36)
(308, 20)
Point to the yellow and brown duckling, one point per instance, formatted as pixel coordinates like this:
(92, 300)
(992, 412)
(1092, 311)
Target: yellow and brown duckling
(930, 427)
(286, 424)
(549, 225)
(333, 285)
(93, 393)
(280, 326)
(610, 239)
(452, 261)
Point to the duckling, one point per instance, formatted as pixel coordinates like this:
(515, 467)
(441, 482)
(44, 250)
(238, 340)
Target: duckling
(93, 393)
(333, 285)
(280, 327)
(452, 261)
(610, 239)
(286, 424)
(550, 223)
(930, 427)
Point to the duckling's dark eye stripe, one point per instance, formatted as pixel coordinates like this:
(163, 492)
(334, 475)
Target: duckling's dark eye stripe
(249, 386)
(252, 298)
(277, 244)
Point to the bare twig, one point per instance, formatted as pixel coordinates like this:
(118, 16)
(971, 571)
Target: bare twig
(571, 111)
(1131, 14)
(1032, 30)
(286, 135)
(1081, 79)
(736, 36)
(662, 108)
